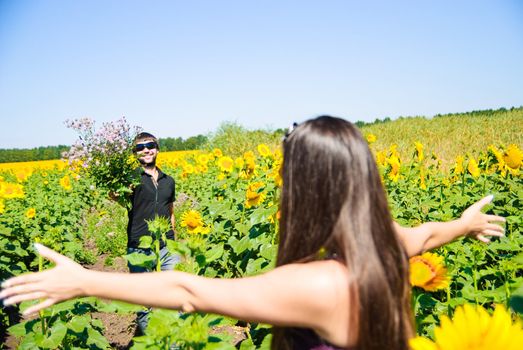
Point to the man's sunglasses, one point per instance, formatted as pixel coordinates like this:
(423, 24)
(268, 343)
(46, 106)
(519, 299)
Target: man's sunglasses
(141, 146)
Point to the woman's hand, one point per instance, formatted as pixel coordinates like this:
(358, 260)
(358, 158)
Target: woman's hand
(54, 285)
(480, 225)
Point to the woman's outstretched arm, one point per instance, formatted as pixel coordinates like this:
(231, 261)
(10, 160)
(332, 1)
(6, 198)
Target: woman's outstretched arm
(431, 235)
(313, 295)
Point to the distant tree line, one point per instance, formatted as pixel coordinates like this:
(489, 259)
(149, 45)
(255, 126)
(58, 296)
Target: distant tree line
(55, 152)
(31, 154)
(178, 144)
(227, 133)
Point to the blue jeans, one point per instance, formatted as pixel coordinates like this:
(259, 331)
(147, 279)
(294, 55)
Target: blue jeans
(168, 262)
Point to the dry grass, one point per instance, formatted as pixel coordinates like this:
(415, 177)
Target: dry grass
(451, 135)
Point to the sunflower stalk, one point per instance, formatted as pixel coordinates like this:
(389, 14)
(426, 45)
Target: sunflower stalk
(43, 322)
(158, 228)
(474, 276)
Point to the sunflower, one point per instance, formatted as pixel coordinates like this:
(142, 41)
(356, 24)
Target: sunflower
(254, 195)
(203, 159)
(264, 150)
(23, 174)
(381, 158)
(193, 221)
(473, 328)
(473, 168)
(371, 138)
(226, 164)
(250, 165)
(187, 169)
(275, 173)
(513, 157)
(419, 150)
(458, 166)
(2, 206)
(65, 182)
(239, 162)
(499, 157)
(30, 213)
(422, 183)
(393, 150)
(428, 272)
(394, 163)
(9, 190)
(217, 153)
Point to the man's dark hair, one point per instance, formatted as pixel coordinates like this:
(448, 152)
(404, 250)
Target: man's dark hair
(145, 136)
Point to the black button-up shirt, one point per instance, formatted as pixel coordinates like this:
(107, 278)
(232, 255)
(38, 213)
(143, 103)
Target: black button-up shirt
(149, 201)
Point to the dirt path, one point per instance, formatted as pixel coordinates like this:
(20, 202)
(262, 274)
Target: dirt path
(119, 329)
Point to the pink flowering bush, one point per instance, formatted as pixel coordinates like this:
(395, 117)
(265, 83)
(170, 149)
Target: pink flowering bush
(105, 155)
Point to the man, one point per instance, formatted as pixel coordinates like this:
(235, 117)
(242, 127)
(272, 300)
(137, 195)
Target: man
(153, 197)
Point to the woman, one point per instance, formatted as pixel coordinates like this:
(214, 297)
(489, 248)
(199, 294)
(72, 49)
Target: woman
(341, 279)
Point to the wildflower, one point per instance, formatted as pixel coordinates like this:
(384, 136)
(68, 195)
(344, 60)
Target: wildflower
(428, 272)
(65, 182)
(371, 138)
(473, 168)
(264, 150)
(458, 166)
(473, 328)
(254, 195)
(30, 213)
(226, 164)
(419, 151)
(513, 157)
(193, 221)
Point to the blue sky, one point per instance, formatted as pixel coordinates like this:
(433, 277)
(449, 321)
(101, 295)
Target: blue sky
(180, 68)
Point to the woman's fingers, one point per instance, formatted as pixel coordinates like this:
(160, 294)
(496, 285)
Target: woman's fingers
(495, 218)
(18, 285)
(20, 280)
(494, 227)
(482, 238)
(51, 254)
(482, 202)
(18, 298)
(492, 233)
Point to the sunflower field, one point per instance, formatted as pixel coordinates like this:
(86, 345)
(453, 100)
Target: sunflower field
(227, 226)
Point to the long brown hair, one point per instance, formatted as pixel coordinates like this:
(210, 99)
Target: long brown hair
(333, 200)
